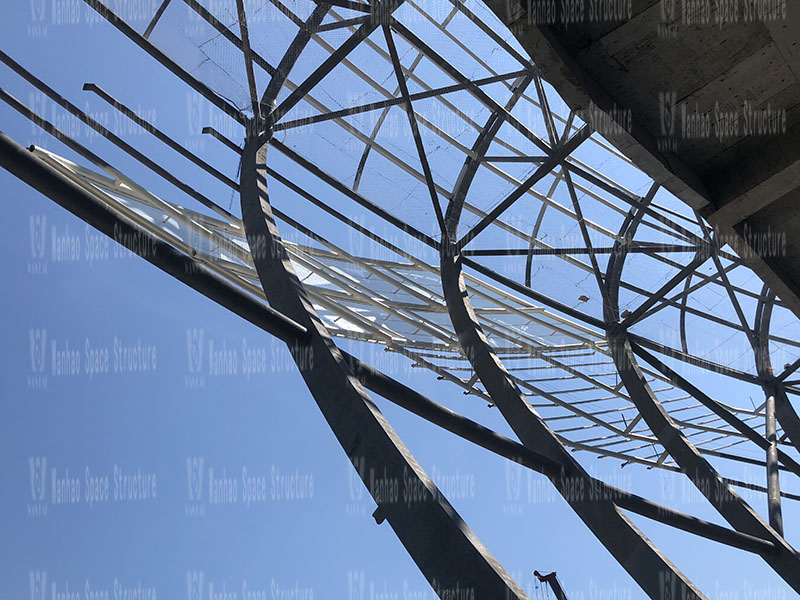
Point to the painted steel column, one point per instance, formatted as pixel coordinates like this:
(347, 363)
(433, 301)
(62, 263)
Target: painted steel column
(441, 544)
(773, 478)
(773, 389)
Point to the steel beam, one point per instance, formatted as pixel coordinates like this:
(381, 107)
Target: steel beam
(412, 121)
(170, 64)
(248, 59)
(112, 137)
(576, 250)
(35, 172)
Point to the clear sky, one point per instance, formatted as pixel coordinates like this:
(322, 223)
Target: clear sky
(300, 525)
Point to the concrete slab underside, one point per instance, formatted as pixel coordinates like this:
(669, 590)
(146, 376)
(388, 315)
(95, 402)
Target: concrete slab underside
(714, 108)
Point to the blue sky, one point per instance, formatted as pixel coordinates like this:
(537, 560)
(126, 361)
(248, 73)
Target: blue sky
(307, 531)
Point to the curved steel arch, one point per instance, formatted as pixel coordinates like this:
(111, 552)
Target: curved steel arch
(270, 256)
(785, 561)
(784, 411)
(425, 523)
(634, 552)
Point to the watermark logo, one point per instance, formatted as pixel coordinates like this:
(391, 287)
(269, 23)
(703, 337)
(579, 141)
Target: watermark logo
(195, 122)
(194, 482)
(194, 113)
(38, 473)
(609, 121)
(194, 476)
(200, 114)
(690, 121)
(64, 246)
(669, 10)
(513, 505)
(566, 13)
(513, 480)
(38, 103)
(278, 591)
(200, 587)
(667, 102)
(668, 113)
(37, 10)
(37, 340)
(667, 484)
(194, 585)
(38, 584)
(37, 226)
(361, 587)
(454, 486)
(356, 472)
(37, 28)
(223, 359)
(92, 489)
(67, 360)
(38, 469)
(194, 345)
(356, 582)
(38, 344)
(194, 354)
(716, 13)
(668, 585)
(252, 488)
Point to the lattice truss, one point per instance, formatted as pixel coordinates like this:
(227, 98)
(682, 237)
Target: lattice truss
(372, 128)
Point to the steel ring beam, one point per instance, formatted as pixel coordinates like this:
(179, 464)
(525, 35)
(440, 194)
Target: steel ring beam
(785, 561)
(637, 555)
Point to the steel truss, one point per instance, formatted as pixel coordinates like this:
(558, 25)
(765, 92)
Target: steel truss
(564, 376)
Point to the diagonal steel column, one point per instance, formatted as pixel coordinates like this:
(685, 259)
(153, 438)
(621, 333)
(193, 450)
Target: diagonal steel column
(677, 380)
(426, 524)
(773, 389)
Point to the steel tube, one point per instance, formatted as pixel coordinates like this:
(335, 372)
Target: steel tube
(773, 474)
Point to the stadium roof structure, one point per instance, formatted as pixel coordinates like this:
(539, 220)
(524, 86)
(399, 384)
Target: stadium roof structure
(530, 263)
